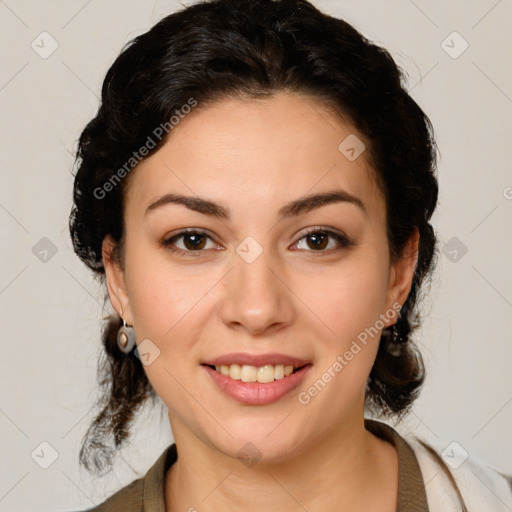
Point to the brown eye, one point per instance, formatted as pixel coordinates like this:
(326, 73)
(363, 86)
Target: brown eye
(318, 240)
(193, 241)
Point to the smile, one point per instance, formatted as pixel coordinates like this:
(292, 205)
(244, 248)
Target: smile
(245, 388)
(262, 374)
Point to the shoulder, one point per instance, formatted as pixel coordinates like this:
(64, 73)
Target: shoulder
(145, 493)
(127, 499)
(482, 486)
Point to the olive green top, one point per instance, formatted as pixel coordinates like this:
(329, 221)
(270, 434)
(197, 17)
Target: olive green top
(147, 493)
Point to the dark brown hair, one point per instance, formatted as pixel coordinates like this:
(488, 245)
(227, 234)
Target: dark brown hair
(222, 48)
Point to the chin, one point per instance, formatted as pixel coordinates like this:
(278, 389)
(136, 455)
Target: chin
(256, 446)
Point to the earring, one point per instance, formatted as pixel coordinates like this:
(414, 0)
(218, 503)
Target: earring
(126, 338)
(395, 344)
(398, 338)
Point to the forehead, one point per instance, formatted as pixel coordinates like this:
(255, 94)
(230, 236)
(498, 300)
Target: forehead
(256, 152)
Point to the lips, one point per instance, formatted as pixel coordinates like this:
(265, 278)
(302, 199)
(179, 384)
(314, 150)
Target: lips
(256, 393)
(257, 360)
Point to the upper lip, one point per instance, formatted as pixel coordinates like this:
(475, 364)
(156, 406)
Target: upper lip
(241, 358)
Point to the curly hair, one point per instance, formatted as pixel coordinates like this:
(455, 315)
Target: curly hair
(227, 48)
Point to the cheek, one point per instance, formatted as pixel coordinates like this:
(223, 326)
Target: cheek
(161, 293)
(350, 297)
(348, 304)
(169, 311)
(163, 303)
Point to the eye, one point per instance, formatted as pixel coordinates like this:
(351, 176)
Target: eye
(319, 239)
(194, 241)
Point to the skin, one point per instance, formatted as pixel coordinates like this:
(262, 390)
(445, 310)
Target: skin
(253, 157)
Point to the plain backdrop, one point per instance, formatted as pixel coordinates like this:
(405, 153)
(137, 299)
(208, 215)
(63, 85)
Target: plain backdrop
(457, 56)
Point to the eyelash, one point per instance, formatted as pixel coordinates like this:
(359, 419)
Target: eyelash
(341, 239)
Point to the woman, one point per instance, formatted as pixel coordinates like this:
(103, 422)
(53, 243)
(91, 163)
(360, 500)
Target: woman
(255, 192)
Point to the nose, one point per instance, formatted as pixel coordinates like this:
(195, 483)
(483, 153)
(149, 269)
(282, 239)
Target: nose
(256, 296)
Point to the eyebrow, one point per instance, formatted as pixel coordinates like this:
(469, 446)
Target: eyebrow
(294, 208)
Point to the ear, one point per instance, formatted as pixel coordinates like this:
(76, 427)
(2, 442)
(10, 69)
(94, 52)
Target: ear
(402, 272)
(115, 281)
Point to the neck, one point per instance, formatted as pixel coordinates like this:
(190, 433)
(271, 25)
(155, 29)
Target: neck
(349, 468)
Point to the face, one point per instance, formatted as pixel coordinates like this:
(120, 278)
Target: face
(261, 271)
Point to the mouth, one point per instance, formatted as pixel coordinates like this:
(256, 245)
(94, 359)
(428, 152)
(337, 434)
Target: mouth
(263, 368)
(262, 385)
(262, 374)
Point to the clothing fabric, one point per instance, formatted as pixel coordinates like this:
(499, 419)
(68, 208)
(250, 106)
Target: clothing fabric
(422, 484)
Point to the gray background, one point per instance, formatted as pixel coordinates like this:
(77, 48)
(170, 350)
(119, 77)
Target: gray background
(51, 307)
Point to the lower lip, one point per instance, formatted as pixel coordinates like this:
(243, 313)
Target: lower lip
(256, 393)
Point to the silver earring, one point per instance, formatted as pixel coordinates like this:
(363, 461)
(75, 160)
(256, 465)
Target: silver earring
(126, 338)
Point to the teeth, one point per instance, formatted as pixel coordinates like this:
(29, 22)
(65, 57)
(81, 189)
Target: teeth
(235, 371)
(263, 374)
